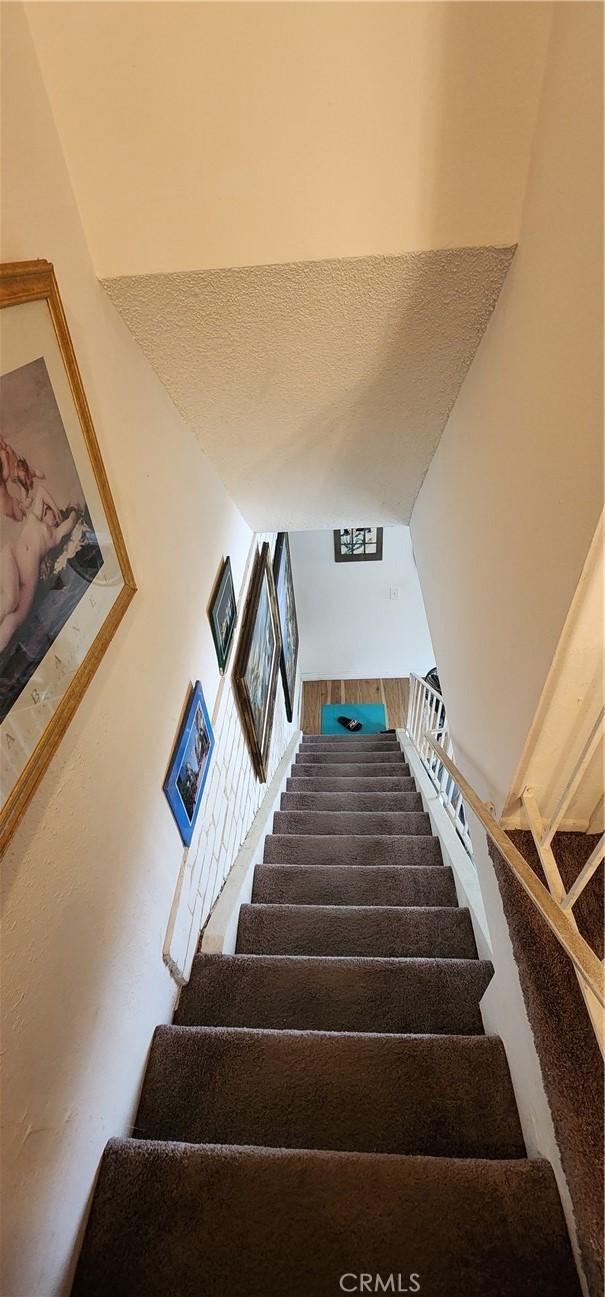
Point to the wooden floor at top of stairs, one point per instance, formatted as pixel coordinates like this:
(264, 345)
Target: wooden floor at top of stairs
(393, 693)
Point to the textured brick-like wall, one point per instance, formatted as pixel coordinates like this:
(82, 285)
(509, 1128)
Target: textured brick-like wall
(231, 799)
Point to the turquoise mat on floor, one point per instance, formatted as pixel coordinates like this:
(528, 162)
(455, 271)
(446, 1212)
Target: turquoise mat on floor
(371, 715)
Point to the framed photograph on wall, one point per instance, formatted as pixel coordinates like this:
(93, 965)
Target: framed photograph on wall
(288, 624)
(184, 783)
(223, 613)
(65, 577)
(358, 544)
(256, 667)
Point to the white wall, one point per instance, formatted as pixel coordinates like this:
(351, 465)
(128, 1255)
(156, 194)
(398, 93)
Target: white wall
(349, 626)
(571, 704)
(319, 130)
(508, 508)
(507, 511)
(89, 877)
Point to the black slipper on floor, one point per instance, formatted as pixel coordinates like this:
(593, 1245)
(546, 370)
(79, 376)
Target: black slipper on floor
(348, 724)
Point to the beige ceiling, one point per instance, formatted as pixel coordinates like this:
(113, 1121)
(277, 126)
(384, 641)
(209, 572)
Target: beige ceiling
(224, 134)
(319, 389)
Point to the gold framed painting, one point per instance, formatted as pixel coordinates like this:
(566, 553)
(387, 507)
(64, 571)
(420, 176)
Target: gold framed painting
(65, 577)
(256, 667)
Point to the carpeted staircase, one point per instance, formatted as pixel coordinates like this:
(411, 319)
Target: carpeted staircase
(326, 1105)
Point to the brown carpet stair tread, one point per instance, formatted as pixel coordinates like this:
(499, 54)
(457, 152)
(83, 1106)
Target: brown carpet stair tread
(360, 739)
(352, 849)
(362, 756)
(349, 770)
(403, 931)
(325, 993)
(326, 1102)
(354, 784)
(189, 1220)
(448, 1096)
(354, 885)
(348, 801)
(347, 751)
(351, 822)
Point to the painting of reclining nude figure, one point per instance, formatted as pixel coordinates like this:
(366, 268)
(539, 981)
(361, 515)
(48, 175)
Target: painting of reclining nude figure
(49, 553)
(65, 579)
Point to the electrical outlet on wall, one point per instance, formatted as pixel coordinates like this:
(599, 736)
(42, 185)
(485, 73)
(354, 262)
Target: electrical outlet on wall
(394, 591)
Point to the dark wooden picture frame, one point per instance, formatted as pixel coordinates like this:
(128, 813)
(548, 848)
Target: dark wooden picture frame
(223, 604)
(359, 553)
(288, 622)
(256, 667)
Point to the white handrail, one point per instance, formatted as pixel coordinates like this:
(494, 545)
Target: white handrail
(596, 858)
(427, 729)
(566, 899)
(427, 716)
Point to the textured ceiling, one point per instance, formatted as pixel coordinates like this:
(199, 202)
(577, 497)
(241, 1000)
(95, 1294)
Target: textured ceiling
(318, 389)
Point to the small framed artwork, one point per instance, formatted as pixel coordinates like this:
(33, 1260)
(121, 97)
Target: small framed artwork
(256, 667)
(184, 783)
(66, 580)
(223, 614)
(358, 544)
(288, 624)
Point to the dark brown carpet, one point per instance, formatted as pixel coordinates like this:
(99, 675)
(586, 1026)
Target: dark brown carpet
(352, 823)
(361, 756)
(351, 743)
(184, 1220)
(403, 931)
(358, 801)
(572, 1064)
(327, 1104)
(351, 849)
(325, 994)
(353, 784)
(354, 885)
(448, 1096)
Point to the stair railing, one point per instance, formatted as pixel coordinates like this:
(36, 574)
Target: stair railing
(586, 962)
(543, 834)
(428, 731)
(427, 718)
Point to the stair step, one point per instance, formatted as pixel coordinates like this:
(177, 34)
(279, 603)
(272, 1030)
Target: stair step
(340, 756)
(444, 1096)
(326, 994)
(349, 770)
(384, 932)
(369, 744)
(342, 736)
(353, 885)
(352, 849)
(332, 801)
(337, 783)
(188, 1219)
(351, 822)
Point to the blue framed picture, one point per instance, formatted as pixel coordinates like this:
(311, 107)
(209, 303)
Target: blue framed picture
(184, 783)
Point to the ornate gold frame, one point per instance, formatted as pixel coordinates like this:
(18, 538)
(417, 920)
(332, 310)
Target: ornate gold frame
(30, 281)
